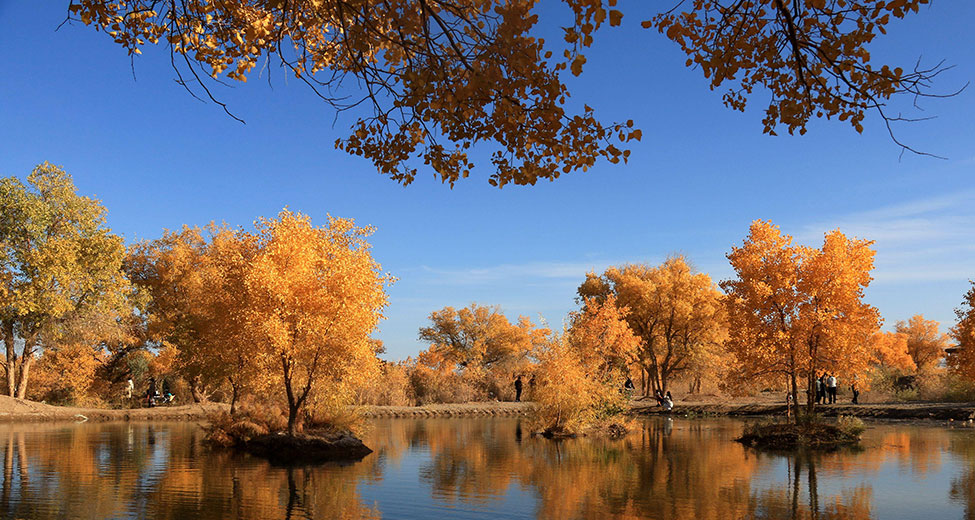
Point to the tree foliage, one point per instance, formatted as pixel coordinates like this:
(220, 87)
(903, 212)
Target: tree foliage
(795, 311)
(676, 312)
(443, 76)
(811, 55)
(196, 281)
(482, 345)
(925, 343)
(963, 360)
(61, 269)
(314, 296)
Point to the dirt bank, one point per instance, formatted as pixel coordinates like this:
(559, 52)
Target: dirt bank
(487, 409)
(940, 411)
(21, 410)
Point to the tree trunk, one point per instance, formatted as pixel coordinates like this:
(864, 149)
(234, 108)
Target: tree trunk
(25, 362)
(235, 393)
(11, 366)
(795, 397)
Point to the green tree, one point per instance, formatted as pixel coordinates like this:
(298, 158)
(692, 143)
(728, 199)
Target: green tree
(61, 269)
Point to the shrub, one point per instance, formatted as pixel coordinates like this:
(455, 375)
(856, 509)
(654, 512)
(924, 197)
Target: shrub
(570, 399)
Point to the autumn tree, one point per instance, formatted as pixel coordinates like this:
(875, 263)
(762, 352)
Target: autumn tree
(890, 350)
(314, 294)
(675, 311)
(480, 341)
(61, 268)
(795, 311)
(602, 337)
(440, 77)
(963, 359)
(925, 343)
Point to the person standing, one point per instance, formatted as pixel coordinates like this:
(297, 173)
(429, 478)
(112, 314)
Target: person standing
(129, 388)
(518, 386)
(855, 390)
(831, 388)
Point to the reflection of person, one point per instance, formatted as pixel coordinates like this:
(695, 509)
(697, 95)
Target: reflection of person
(518, 385)
(129, 388)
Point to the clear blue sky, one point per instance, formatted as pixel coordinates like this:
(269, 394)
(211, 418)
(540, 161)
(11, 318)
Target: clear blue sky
(158, 158)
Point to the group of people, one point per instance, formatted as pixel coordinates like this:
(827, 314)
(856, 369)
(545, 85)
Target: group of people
(152, 396)
(665, 401)
(826, 386)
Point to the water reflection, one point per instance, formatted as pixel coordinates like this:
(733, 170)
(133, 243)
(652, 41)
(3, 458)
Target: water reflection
(483, 468)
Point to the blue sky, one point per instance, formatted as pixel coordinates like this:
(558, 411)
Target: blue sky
(157, 158)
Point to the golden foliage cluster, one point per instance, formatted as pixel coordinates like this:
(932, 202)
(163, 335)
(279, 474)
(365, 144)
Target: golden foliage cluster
(796, 311)
(443, 76)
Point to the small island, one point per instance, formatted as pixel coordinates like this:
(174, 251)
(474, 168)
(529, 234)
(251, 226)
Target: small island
(816, 434)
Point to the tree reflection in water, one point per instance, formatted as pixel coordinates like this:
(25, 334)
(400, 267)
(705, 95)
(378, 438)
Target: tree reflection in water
(664, 469)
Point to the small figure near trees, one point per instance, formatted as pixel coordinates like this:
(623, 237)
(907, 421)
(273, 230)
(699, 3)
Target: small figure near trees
(855, 390)
(151, 393)
(129, 388)
(831, 388)
(518, 386)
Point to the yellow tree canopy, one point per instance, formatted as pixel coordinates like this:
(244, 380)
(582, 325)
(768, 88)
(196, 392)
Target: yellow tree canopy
(890, 351)
(925, 343)
(602, 337)
(675, 311)
(314, 294)
(442, 76)
(963, 360)
(479, 337)
(796, 311)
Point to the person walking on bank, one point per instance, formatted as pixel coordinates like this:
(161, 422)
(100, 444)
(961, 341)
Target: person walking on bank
(518, 385)
(130, 387)
(831, 388)
(821, 389)
(855, 390)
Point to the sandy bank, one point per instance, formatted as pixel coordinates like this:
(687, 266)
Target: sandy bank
(20, 410)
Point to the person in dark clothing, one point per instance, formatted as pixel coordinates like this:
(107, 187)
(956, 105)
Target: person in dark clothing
(518, 385)
(668, 396)
(821, 389)
(151, 392)
(855, 390)
(628, 387)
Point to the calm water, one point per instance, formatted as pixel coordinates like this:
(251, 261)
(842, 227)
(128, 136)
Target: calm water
(437, 469)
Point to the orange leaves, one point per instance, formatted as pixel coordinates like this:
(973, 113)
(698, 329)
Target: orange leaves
(810, 55)
(963, 359)
(797, 310)
(441, 77)
(924, 342)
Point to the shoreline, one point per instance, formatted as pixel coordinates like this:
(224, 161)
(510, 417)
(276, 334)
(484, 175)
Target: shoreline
(18, 410)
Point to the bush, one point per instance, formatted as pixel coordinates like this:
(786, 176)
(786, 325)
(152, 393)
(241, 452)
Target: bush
(571, 400)
(851, 425)
(251, 420)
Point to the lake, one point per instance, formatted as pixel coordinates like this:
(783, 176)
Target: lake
(487, 468)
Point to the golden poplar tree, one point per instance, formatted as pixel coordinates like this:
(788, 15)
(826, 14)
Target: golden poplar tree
(925, 343)
(314, 294)
(482, 344)
(676, 312)
(796, 311)
(963, 360)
